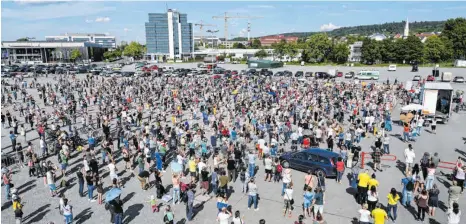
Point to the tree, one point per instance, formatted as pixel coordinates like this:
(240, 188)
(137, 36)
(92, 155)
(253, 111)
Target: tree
(134, 49)
(23, 39)
(434, 49)
(261, 54)
(388, 50)
(239, 46)
(279, 49)
(291, 49)
(256, 44)
(455, 31)
(370, 51)
(318, 47)
(413, 49)
(340, 53)
(75, 54)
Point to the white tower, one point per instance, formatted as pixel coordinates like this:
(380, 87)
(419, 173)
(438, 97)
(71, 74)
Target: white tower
(406, 31)
(249, 29)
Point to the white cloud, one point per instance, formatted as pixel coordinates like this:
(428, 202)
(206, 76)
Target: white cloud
(328, 27)
(242, 32)
(261, 6)
(102, 19)
(89, 21)
(55, 11)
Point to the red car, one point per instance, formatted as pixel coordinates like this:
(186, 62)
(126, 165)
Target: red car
(339, 74)
(216, 76)
(430, 78)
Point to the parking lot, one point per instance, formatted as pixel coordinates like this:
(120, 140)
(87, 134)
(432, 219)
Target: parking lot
(340, 206)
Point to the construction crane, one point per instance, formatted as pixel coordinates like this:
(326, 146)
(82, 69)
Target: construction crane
(201, 25)
(226, 17)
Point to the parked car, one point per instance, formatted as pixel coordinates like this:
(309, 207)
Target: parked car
(278, 74)
(392, 68)
(349, 75)
(430, 78)
(339, 74)
(288, 73)
(299, 74)
(308, 74)
(458, 79)
(417, 78)
(314, 159)
(322, 75)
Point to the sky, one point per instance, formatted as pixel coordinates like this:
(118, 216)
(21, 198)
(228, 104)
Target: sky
(126, 19)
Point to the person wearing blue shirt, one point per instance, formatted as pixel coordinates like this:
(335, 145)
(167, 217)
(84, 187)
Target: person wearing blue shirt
(273, 151)
(407, 194)
(13, 140)
(213, 141)
(91, 141)
(233, 134)
(203, 150)
(308, 197)
(252, 163)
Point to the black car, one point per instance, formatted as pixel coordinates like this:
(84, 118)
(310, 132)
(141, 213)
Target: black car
(308, 74)
(127, 74)
(268, 73)
(288, 73)
(263, 71)
(278, 74)
(322, 75)
(299, 74)
(415, 68)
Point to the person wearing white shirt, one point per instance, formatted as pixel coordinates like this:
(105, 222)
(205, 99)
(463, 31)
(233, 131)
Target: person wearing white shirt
(420, 123)
(409, 158)
(223, 216)
(454, 214)
(364, 214)
(288, 196)
(319, 135)
(386, 144)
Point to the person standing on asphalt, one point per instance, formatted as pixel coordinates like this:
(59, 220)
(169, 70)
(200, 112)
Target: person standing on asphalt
(286, 178)
(308, 198)
(409, 158)
(454, 214)
(90, 186)
(6, 177)
(379, 215)
(393, 199)
(288, 198)
(80, 176)
(364, 215)
(422, 205)
(407, 192)
(454, 193)
(340, 169)
(252, 194)
(67, 211)
(386, 144)
(190, 203)
(363, 179)
(433, 200)
(118, 209)
(252, 163)
(318, 202)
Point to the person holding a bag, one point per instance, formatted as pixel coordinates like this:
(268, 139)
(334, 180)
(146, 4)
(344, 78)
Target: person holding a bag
(289, 201)
(17, 209)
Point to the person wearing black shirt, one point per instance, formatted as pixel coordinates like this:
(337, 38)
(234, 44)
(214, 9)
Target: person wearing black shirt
(231, 167)
(81, 183)
(94, 165)
(90, 186)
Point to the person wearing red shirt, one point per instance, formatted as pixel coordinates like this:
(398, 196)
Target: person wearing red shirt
(306, 143)
(340, 169)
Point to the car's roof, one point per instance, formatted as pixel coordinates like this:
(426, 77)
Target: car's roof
(321, 152)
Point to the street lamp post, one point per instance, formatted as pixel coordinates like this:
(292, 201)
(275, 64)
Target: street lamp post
(212, 40)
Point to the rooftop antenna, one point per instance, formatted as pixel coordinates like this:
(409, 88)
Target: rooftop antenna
(166, 6)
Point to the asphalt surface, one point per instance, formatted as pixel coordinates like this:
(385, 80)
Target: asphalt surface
(340, 206)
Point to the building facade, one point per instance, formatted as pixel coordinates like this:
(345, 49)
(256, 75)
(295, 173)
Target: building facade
(169, 35)
(101, 39)
(50, 51)
(355, 52)
(269, 40)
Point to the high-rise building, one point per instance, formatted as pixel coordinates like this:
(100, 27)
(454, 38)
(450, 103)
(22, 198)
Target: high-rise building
(169, 34)
(101, 39)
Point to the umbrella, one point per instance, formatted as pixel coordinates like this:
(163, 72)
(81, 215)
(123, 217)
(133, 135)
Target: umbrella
(412, 107)
(112, 194)
(176, 167)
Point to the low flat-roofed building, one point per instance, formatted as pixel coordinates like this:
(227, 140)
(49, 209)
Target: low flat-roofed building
(50, 51)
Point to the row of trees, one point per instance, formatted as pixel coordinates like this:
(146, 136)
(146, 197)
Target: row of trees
(133, 49)
(450, 45)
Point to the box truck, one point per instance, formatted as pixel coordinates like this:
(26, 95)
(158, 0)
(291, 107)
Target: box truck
(437, 100)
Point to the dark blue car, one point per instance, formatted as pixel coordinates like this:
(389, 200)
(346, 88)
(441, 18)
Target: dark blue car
(314, 159)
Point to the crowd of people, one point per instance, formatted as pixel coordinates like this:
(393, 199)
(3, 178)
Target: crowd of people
(211, 136)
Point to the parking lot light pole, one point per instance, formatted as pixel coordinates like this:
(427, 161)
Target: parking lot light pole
(212, 40)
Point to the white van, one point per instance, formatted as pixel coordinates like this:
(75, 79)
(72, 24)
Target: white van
(392, 68)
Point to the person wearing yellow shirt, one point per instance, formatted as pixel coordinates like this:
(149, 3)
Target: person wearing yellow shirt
(373, 182)
(393, 199)
(379, 215)
(192, 169)
(363, 179)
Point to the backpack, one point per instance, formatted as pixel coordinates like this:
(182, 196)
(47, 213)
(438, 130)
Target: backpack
(410, 186)
(279, 168)
(242, 176)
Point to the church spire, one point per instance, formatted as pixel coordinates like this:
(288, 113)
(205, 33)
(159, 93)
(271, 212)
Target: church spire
(406, 31)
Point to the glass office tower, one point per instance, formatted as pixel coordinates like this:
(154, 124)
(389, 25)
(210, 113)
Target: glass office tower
(169, 34)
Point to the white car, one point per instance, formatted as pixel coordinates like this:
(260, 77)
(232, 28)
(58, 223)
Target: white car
(392, 68)
(417, 78)
(349, 75)
(458, 79)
